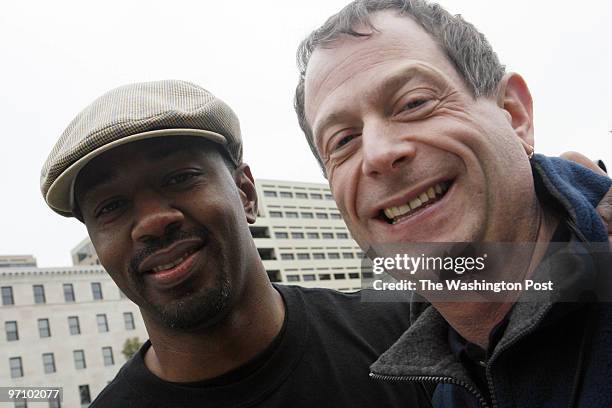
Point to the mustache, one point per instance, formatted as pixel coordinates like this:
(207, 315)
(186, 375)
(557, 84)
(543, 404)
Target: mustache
(165, 241)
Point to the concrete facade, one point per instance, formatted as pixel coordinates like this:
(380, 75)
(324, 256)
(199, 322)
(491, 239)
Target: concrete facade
(30, 346)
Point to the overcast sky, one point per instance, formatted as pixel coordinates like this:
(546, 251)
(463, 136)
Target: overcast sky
(57, 56)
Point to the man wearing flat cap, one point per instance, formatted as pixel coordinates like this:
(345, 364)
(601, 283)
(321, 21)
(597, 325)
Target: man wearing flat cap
(155, 172)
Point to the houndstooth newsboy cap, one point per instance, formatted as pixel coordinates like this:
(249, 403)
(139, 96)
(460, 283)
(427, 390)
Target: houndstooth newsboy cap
(130, 113)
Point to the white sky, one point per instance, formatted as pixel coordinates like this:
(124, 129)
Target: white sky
(57, 56)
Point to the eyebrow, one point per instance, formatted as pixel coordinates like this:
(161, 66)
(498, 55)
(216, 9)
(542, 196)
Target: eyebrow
(106, 177)
(95, 181)
(394, 81)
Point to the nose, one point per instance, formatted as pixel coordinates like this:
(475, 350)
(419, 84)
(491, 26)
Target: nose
(384, 150)
(154, 218)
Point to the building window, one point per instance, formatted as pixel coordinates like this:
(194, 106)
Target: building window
(333, 255)
(107, 355)
(354, 275)
(259, 232)
(55, 403)
(286, 194)
(7, 295)
(44, 330)
(316, 196)
(293, 278)
(318, 255)
(96, 290)
(48, 363)
(102, 323)
(312, 235)
(287, 257)
(68, 292)
(309, 277)
(348, 255)
(339, 276)
(128, 319)
(79, 359)
(274, 276)
(84, 394)
(73, 325)
(336, 216)
(39, 293)
(367, 275)
(327, 235)
(12, 333)
(291, 214)
(297, 235)
(276, 214)
(281, 235)
(16, 367)
(324, 276)
(322, 216)
(268, 193)
(329, 197)
(301, 195)
(266, 254)
(307, 215)
(303, 256)
(21, 403)
(342, 235)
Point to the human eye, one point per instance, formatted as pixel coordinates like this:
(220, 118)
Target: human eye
(179, 178)
(344, 140)
(110, 207)
(413, 104)
(417, 102)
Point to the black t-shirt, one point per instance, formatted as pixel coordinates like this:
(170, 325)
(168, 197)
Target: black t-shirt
(320, 358)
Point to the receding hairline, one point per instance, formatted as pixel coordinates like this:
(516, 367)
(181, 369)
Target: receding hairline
(467, 48)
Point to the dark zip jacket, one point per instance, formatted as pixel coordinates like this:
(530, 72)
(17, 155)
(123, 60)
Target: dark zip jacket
(552, 353)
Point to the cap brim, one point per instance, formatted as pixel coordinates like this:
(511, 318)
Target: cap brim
(61, 193)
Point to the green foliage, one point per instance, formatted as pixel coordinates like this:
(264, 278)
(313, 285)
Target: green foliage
(130, 347)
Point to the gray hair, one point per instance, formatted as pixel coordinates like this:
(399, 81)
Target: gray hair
(467, 48)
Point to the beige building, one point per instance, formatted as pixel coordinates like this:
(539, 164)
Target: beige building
(67, 326)
(63, 327)
(17, 261)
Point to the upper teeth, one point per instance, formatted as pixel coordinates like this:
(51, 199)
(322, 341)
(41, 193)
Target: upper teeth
(393, 213)
(173, 263)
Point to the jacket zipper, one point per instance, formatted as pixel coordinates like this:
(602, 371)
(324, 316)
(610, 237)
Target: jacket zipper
(496, 354)
(524, 332)
(436, 379)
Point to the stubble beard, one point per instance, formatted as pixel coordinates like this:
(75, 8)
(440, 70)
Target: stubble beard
(201, 309)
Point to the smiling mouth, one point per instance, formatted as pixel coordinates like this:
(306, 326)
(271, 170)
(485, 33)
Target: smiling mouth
(417, 203)
(176, 262)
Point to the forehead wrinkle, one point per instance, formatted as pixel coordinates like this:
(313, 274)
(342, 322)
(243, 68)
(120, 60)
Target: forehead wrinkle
(335, 69)
(402, 76)
(375, 55)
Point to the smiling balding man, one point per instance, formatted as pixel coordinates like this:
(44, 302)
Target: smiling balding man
(424, 137)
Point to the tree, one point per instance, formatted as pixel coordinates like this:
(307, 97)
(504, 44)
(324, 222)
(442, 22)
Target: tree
(130, 347)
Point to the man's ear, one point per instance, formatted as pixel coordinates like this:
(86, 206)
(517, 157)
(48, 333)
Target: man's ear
(246, 188)
(514, 97)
